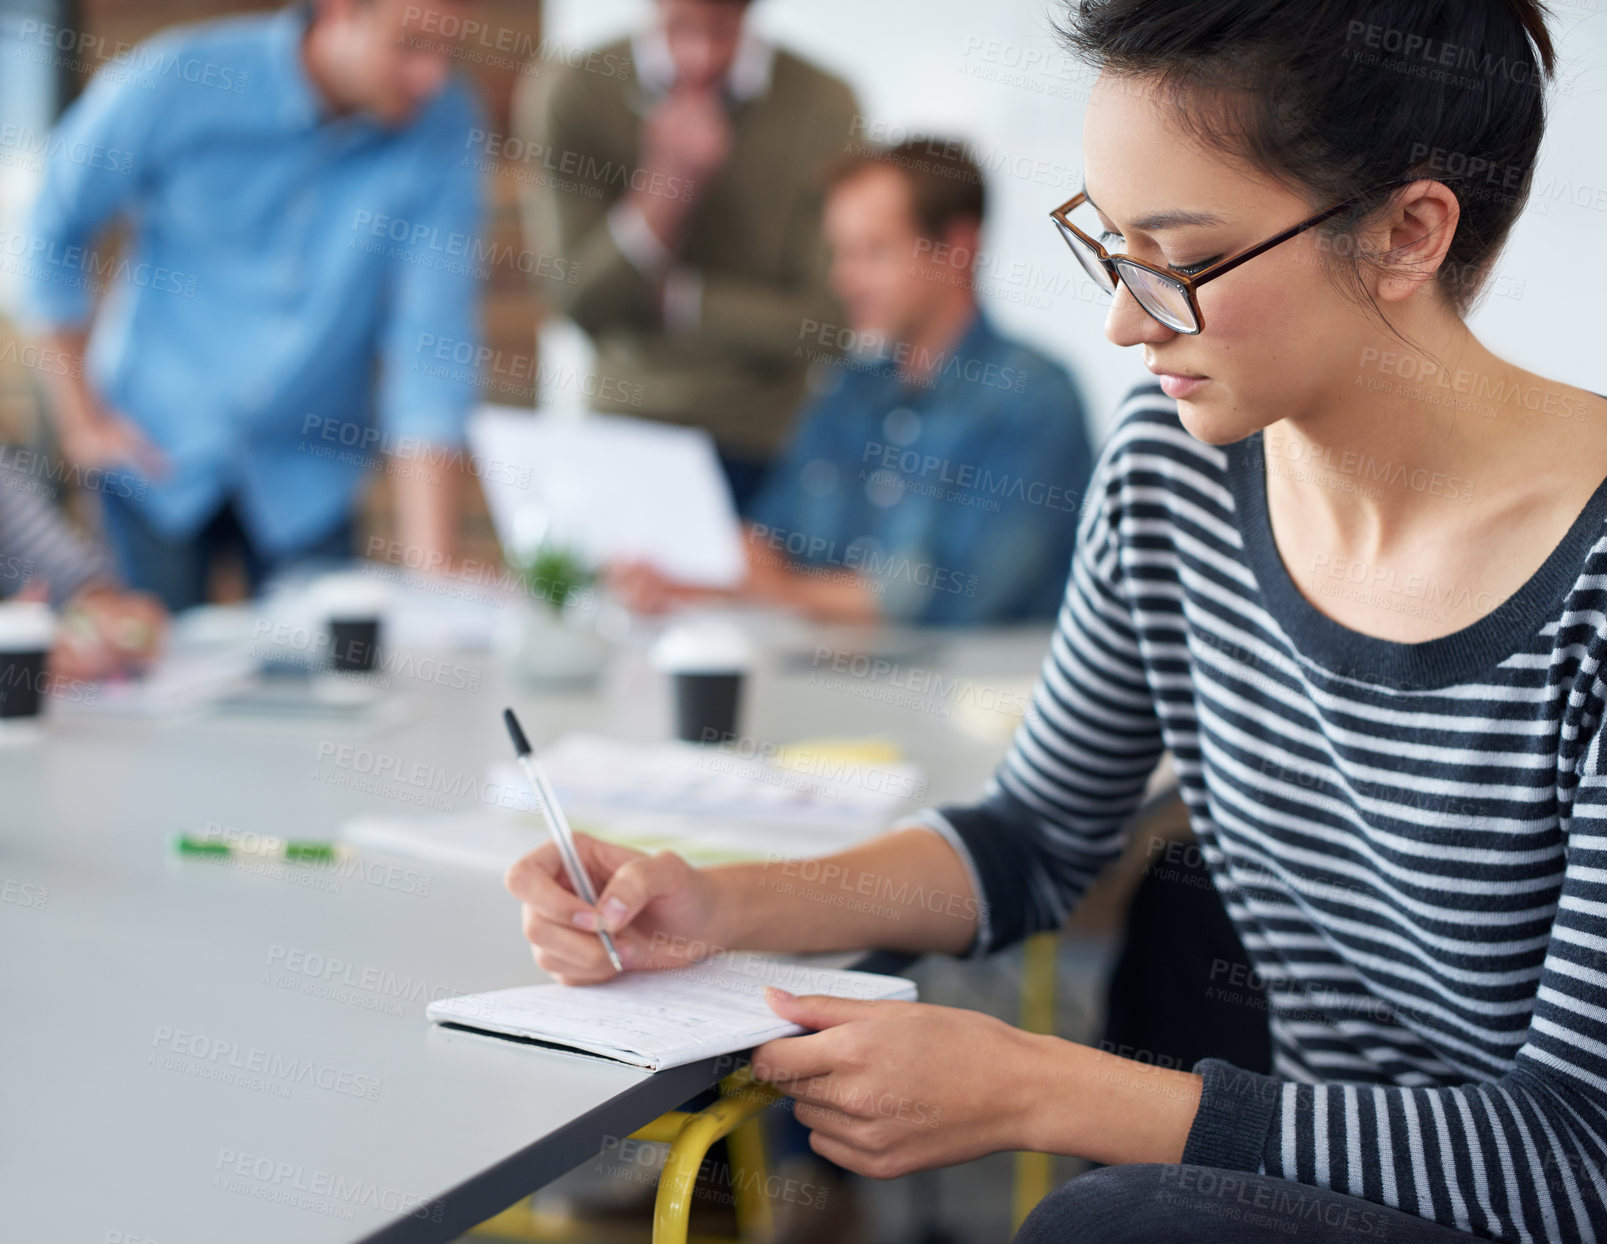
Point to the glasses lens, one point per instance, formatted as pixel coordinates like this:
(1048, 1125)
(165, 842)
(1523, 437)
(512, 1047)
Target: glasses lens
(1162, 298)
(1087, 258)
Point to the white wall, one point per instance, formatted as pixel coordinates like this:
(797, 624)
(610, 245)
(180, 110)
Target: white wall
(989, 71)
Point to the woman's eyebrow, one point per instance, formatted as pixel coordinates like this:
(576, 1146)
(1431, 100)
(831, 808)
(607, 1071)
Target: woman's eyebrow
(1156, 221)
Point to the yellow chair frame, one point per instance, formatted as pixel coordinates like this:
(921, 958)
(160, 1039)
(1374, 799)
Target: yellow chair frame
(690, 1135)
(1034, 1172)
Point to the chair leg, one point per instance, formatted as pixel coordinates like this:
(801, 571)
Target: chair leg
(750, 1165)
(689, 1136)
(1034, 1172)
(743, 1099)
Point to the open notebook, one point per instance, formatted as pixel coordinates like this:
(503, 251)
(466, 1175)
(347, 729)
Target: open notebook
(662, 1019)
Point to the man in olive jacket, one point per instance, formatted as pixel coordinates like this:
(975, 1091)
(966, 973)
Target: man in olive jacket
(679, 175)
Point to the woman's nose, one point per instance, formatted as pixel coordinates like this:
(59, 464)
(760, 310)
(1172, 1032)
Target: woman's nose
(1128, 324)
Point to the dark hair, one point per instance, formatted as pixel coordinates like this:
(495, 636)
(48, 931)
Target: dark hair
(945, 182)
(1337, 97)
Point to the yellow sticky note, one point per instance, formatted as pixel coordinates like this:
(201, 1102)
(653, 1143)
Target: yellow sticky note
(810, 752)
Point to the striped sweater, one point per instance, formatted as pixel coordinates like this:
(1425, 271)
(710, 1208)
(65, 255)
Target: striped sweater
(36, 543)
(1409, 838)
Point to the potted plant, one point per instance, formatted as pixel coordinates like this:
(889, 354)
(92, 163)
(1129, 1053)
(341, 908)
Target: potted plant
(558, 643)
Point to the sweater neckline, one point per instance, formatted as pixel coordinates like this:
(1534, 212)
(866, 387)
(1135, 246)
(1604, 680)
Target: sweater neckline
(1420, 666)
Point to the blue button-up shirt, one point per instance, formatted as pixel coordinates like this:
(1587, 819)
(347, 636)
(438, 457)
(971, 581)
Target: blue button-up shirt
(956, 498)
(274, 320)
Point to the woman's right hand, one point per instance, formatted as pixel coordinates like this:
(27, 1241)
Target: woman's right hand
(658, 908)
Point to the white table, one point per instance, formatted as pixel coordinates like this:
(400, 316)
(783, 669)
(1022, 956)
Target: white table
(203, 1051)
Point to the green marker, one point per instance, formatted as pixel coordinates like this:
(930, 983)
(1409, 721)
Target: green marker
(295, 852)
(186, 845)
(320, 852)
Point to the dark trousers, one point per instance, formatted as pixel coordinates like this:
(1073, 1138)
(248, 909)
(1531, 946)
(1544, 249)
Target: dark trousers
(1182, 988)
(177, 571)
(1163, 1204)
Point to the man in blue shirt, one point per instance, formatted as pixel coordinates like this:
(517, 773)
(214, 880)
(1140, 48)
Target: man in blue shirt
(303, 214)
(937, 475)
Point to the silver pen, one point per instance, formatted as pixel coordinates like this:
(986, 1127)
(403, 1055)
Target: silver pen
(558, 824)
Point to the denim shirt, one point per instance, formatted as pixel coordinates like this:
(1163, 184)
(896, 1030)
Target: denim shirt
(274, 319)
(957, 498)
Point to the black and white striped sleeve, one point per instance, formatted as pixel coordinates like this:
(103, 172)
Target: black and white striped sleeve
(37, 544)
(1054, 813)
(1519, 1157)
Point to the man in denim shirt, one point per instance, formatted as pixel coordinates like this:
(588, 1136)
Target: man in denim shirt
(937, 475)
(303, 211)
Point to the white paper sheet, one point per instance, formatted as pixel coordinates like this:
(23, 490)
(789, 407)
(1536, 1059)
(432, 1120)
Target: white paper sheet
(482, 841)
(182, 681)
(610, 487)
(605, 775)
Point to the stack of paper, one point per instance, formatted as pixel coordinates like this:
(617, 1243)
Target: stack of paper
(181, 681)
(708, 805)
(824, 783)
(484, 841)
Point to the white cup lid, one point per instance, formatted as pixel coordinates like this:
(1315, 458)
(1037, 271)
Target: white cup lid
(350, 594)
(26, 625)
(702, 648)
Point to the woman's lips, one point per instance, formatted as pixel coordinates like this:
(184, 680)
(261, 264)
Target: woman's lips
(1178, 387)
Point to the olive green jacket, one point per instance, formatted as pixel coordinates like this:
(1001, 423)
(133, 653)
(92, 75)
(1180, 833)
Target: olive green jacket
(753, 238)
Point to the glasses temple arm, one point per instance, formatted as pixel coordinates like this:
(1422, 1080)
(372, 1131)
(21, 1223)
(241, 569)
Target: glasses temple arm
(1227, 265)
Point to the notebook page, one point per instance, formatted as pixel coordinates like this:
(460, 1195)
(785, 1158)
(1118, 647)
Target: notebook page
(663, 1019)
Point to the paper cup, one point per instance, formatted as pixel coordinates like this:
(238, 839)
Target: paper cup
(706, 663)
(353, 607)
(27, 629)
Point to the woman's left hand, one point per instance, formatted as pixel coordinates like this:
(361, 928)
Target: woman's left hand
(892, 1087)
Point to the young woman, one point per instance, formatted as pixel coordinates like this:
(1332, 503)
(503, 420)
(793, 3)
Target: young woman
(1350, 567)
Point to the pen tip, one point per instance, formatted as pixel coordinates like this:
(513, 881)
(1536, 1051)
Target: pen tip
(516, 732)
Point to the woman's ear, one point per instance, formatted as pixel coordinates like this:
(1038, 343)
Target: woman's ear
(1409, 244)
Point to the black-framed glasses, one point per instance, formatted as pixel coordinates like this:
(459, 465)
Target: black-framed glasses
(1172, 297)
